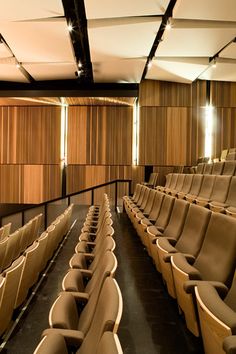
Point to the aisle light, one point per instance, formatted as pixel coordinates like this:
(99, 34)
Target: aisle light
(135, 145)
(209, 110)
(64, 122)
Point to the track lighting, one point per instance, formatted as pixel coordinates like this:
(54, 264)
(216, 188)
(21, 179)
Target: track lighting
(214, 63)
(168, 25)
(70, 27)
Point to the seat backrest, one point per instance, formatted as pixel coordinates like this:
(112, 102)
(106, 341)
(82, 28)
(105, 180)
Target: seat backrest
(5, 231)
(150, 201)
(165, 212)
(180, 182)
(220, 188)
(106, 317)
(53, 343)
(137, 192)
(109, 344)
(200, 168)
(151, 178)
(64, 312)
(156, 205)
(208, 169)
(191, 238)
(217, 168)
(196, 184)
(168, 180)
(187, 183)
(231, 156)
(3, 247)
(216, 259)
(145, 198)
(229, 168)
(207, 186)
(174, 180)
(223, 155)
(231, 197)
(177, 219)
(12, 244)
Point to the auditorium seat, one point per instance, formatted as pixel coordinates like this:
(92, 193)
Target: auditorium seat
(229, 206)
(167, 183)
(208, 169)
(179, 185)
(172, 230)
(65, 319)
(229, 168)
(55, 344)
(217, 168)
(141, 214)
(200, 168)
(223, 155)
(162, 219)
(5, 231)
(229, 345)
(194, 190)
(219, 192)
(152, 180)
(215, 262)
(173, 183)
(189, 242)
(12, 244)
(217, 313)
(186, 186)
(8, 290)
(205, 191)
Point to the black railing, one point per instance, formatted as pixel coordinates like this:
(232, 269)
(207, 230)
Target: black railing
(24, 208)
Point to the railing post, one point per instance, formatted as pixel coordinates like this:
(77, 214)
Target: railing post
(115, 195)
(129, 187)
(92, 197)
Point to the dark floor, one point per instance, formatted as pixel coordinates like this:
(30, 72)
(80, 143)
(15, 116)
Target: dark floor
(150, 322)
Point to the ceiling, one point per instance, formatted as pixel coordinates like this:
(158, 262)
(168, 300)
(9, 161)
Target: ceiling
(115, 42)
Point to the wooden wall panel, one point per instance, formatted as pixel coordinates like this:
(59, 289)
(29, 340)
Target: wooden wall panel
(29, 135)
(223, 94)
(163, 93)
(100, 135)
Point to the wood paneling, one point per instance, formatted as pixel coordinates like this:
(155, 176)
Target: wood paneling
(29, 135)
(99, 101)
(29, 183)
(167, 94)
(223, 94)
(100, 135)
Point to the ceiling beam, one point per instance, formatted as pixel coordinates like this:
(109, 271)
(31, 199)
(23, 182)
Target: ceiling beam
(67, 88)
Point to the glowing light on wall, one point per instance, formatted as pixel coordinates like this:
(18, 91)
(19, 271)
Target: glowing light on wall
(209, 111)
(135, 148)
(64, 120)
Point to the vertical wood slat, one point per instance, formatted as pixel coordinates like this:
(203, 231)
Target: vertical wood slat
(29, 135)
(100, 135)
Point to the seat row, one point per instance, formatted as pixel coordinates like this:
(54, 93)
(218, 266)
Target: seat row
(23, 273)
(152, 182)
(194, 249)
(217, 168)
(13, 245)
(213, 191)
(85, 316)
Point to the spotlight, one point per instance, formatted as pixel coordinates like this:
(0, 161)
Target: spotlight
(79, 65)
(149, 64)
(168, 25)
(70, 27)
(214, 64)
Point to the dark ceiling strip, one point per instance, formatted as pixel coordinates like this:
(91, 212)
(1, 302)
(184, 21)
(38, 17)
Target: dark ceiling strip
(217, 54)
(159, 35)
(67, 88)
(76, 16)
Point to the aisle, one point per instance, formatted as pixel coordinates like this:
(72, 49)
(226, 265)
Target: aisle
(150, 322)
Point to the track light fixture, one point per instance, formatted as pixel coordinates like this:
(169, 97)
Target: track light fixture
(70, 27)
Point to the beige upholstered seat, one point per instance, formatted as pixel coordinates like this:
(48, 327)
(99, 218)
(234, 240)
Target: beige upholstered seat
(12, 244)
(55, 343)
(229, 345)
(179, 185)
(186, 186)
(189, 242)
(217, 168)
(3, 247)
(217, 313)
(200, 168)
(65, 319)
(215, 262)
(208, 169)
(229, 168)
(194, 190)
(167, 183)
(5, 231)
(8, 289)
(219, 192)
(172, 230)
(230, 202)
(173, 183)
(205, 191)
(141, 214)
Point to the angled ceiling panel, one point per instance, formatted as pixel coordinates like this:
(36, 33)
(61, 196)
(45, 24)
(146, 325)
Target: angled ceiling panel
(128, 38)
(222, 72)
(217, 10)
(9, 72)
(4, 51)
(190, 39)
(12, 10)
(36, 41)
(53, 71)
(123, 8)
(126, 70)
(183, 70)
(229, 51)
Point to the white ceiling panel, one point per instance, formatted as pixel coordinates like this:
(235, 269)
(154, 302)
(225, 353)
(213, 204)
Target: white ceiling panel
(217, 10)
(9, 72)
(111, 40)
(123, 8)
(194, 41)
(222, 72)
(129, 70)
(36, 41)
(4, 51)
(229, 51)
(12, 10)
(56, 71)
(183, 70)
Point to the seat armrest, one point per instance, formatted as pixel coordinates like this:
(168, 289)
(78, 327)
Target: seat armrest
(89, 256)
(221, 288)
(79, 297)
(229, 345)
(166, 245)
(73, 338)
(86, 273)
(181, 262)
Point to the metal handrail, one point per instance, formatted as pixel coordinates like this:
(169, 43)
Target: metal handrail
(24, 208)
